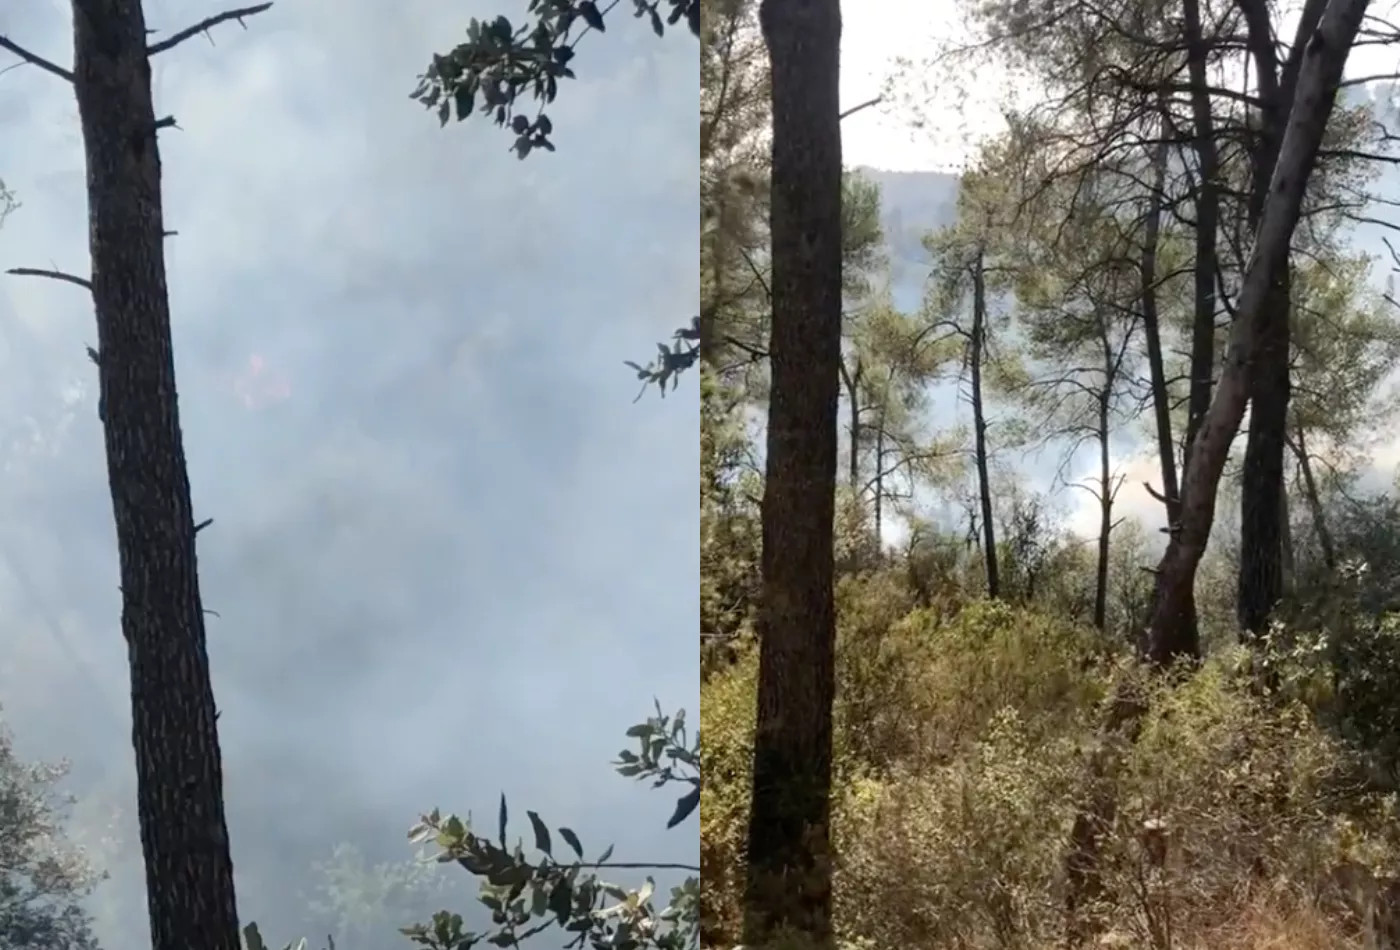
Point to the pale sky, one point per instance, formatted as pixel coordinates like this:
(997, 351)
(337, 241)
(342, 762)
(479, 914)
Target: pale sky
(875, 34)
(932, 121)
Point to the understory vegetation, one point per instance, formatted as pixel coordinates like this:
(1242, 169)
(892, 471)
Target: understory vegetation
(965, 733)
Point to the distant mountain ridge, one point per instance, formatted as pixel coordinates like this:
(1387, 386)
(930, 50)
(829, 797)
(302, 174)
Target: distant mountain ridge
(912, 203)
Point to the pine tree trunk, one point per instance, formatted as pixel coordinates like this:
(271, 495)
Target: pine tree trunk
(1314, 498)
(1151, 329)
(851, 380)
(189, 874)
(1105, 517)
(1207, 224)
(1171, 629)
(1261, 573)
(979, 423)
(789, 861)
(1260, 581)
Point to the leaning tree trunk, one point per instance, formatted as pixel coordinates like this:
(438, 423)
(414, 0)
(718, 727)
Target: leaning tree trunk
(1171, 628)
(789, 860)
(189, 874)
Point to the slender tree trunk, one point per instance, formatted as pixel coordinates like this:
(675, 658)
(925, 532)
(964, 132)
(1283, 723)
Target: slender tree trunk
(1289, 562)
(1172, 630)
(789, 860)
(1207, 225)
(880, 471)
(184, 839)
(979, 422)
(1314, 501)
(1105, 508)
(1161, 398)
(852, 384)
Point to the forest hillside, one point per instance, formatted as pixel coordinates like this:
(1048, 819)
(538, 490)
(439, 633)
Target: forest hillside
(1101, 644)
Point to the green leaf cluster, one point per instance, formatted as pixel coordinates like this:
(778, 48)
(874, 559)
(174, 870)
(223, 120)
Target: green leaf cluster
(665, 754)
(528, 896)
(501, 61)
(670, 361)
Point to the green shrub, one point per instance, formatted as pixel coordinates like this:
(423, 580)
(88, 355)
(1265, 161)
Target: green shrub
(914, 689)
(964, 852)
(987, 657)
(1343, 661)
(728, 703)
(1244, 792)
(962, 750)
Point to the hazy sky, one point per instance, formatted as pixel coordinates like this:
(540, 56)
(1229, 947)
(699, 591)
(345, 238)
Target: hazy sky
(932, 119)
(450, 556)
(874, 35)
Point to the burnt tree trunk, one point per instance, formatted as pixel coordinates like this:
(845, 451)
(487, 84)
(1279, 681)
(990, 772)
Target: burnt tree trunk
(184, 839)
(1171, 628)
(976, 347)
(789, 860)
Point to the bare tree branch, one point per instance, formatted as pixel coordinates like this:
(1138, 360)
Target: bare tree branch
(82, 282)
(203, 26)
(864, 105)
(39, 61)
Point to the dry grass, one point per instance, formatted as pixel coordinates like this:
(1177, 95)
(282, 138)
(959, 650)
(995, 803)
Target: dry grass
(1267, 926)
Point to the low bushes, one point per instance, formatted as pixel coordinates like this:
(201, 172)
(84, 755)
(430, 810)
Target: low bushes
(963, 733)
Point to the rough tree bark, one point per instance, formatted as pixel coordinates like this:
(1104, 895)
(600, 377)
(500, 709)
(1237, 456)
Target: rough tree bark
(789, 865)
(184, 838)
(1171, 629)
(976, 347)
